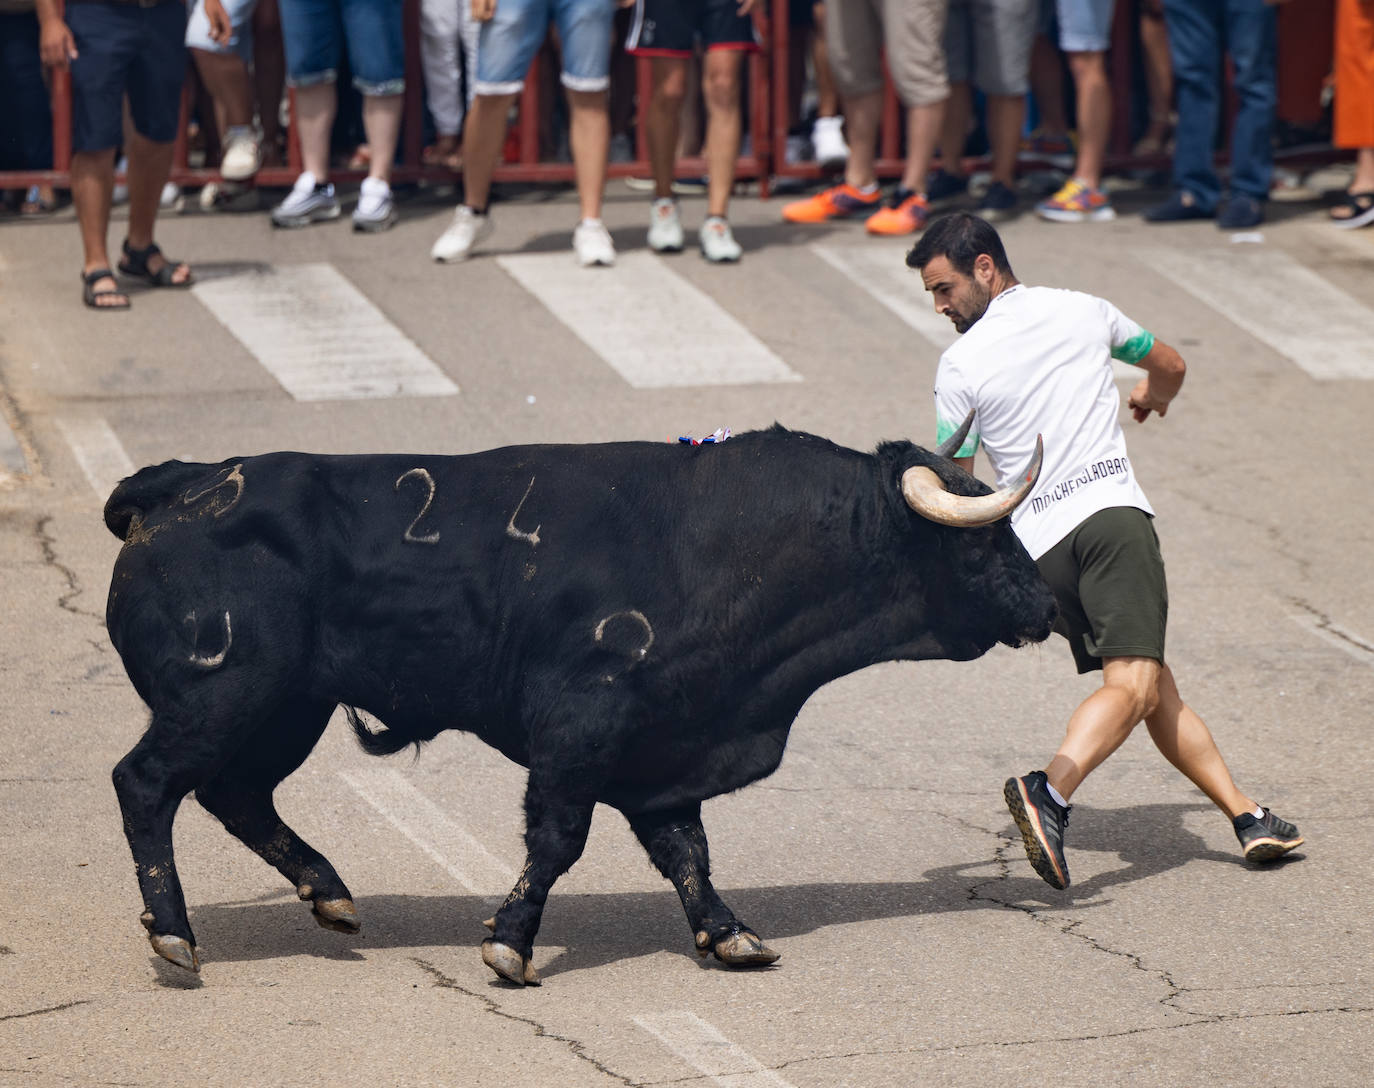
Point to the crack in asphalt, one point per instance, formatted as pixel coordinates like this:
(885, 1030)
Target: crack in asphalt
(47, 543)
(43, 1012)
(1326, 625)
(577, 1048)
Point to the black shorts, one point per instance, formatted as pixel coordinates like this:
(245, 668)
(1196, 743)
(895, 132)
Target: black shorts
(1108, 580)
(672, 28)
(125, 48)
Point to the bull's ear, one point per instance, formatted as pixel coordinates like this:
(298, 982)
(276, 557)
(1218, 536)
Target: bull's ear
(927, 495)
(950, 446)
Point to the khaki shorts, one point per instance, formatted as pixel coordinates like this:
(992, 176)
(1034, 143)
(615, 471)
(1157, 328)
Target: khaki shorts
(912, 32)
(1108, 580)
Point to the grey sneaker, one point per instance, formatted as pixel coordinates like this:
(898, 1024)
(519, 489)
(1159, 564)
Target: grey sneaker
(308, 202)
(718, 243)
(242, 157)
(665, 226)
(376, 210)
(1265, 838)
(1042, 821)
(461, 235)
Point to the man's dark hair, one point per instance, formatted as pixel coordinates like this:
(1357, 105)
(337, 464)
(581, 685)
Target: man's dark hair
(959, 237)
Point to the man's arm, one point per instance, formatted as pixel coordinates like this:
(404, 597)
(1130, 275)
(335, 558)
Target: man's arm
(1164, 369)
(965, 463)
(55, 43)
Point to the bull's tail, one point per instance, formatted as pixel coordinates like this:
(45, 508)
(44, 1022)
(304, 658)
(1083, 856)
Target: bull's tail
(147, 489)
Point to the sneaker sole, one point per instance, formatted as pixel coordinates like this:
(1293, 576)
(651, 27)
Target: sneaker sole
(294, 221)
(372, 226)
(1269, 849)
(1065, 215)
(1354, 222)
(669, 248)
(1028, 822)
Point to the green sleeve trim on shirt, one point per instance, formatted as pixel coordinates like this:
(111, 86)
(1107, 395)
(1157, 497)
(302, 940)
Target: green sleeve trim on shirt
(1136, 348)
(943, 429)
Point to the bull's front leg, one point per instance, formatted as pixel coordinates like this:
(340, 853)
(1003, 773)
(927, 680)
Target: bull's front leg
(676, 842)
(556, 827)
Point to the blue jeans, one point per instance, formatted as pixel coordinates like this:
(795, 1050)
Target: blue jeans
(315, 31)
(510, 39)
(1201, 32)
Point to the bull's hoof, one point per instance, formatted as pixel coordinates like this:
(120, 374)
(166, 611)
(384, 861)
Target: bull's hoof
(744, 949)
(336, 914)
(509, 964)
(175, 950)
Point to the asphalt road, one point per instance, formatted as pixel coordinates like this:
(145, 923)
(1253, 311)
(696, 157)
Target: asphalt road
(918, 947)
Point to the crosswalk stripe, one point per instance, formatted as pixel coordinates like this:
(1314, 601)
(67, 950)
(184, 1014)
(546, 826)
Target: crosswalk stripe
(321, 337)
(882, 272)
(656, 329)
(701, 1045)
(98, 451)
(1327, 332)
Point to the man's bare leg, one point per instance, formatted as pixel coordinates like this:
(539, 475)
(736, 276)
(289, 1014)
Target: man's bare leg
(92, 183)
(1104, 720)
(150, 164)
(590, 139)
(1187, 743)
(483, 134)
(721, 90)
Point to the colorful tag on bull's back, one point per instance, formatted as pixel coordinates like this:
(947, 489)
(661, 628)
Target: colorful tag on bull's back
(720, 435)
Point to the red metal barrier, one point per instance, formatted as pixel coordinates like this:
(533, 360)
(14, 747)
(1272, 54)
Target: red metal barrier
(1303, 42)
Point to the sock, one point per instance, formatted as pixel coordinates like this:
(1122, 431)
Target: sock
(1054, 793)
(590, 222)
(1259, 812)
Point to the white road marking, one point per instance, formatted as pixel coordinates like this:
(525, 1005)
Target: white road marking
(1323, 329)
(431, 829)
(882, 272)
(653, 327)
(12, 459)
(97, 451)
(1357, 646)
(320, 336)
(707, 1051)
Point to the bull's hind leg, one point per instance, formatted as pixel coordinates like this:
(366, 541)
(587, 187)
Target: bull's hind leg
(556, 827)
(240, 797)
(676, 843)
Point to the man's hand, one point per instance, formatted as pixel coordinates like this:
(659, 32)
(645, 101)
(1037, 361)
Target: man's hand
(745, 7)
(483, 10)
(56, 45)
(221, 29)
(1143, 402)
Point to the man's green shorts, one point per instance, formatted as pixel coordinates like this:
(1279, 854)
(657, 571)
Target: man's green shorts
(1108, 579)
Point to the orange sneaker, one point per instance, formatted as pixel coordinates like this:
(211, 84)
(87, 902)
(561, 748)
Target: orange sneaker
(836, 203)
(906, 217)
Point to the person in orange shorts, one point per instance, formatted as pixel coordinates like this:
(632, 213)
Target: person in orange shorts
(857, 34)
(1353, 117)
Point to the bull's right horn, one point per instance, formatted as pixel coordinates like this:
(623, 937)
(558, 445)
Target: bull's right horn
(926, 494)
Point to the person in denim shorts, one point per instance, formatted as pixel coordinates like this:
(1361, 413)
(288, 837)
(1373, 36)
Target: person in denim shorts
(315, 34)
(512, 32)
(116, 48)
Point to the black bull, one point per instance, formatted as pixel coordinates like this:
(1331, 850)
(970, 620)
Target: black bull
(636, 623)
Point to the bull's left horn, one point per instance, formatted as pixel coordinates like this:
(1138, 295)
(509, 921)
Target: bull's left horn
(950, 446)
(926, 494)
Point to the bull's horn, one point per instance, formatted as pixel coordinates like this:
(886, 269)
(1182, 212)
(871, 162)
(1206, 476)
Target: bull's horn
(926, 494)
(950, 446)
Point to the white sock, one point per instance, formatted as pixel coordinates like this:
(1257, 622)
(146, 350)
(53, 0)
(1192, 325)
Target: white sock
(1258, 813)
(590, 223)
(1054, 793)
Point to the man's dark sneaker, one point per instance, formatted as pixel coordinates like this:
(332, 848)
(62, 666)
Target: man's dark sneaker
(941, 185)
(1182, 205)
(1240, 212)
(1266, 837)
(1042, 821)
(998, 202)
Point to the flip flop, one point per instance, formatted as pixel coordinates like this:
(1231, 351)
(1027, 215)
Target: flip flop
(1354, 210)
(135, 263)
(91, 297)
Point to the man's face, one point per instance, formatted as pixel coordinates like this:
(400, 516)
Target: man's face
(963, 299)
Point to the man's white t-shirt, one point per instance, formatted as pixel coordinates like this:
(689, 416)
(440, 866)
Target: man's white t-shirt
(1039, 362)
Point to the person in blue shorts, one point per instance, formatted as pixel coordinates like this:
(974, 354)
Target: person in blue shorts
(117, 49)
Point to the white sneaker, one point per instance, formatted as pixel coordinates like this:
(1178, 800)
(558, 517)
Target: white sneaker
(306, 203)
(718, 243)
(464, 231)
(665, 226)
(827, 136)
(375, 210)
(592, 244)
(171, 198)
(241, 159)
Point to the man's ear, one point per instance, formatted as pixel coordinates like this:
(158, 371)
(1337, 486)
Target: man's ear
(984, 270)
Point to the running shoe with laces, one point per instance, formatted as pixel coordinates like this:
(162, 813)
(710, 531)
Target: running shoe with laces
(307, 202)
(461, 236)
(998, 202)
(1076, 202)
(376, 210)
(906, 214)
(841, 201)
(718, 243)
(1041, 820)
(592, 244)
(1266, 837)
(665, 226)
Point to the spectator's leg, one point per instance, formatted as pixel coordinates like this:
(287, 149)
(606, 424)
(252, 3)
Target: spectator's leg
(150, 164)
(1252, 37)
(590, 137)
(269, 77)
(721, 87)
(226, 78)
(1195, 48)
(315, 109)
(483, 135)
(439, 27)
(382, 124)
(1006, 116)
(827, 95)
(862, 113)
(954, 128)
(668, 77)
(92, 174)
(1047, 85)
(1159, 78)
(923, 124)
(1094, 114)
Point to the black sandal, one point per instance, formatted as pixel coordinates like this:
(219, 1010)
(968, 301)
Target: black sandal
(135, 263)
(1354, 210)
(91, 297)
